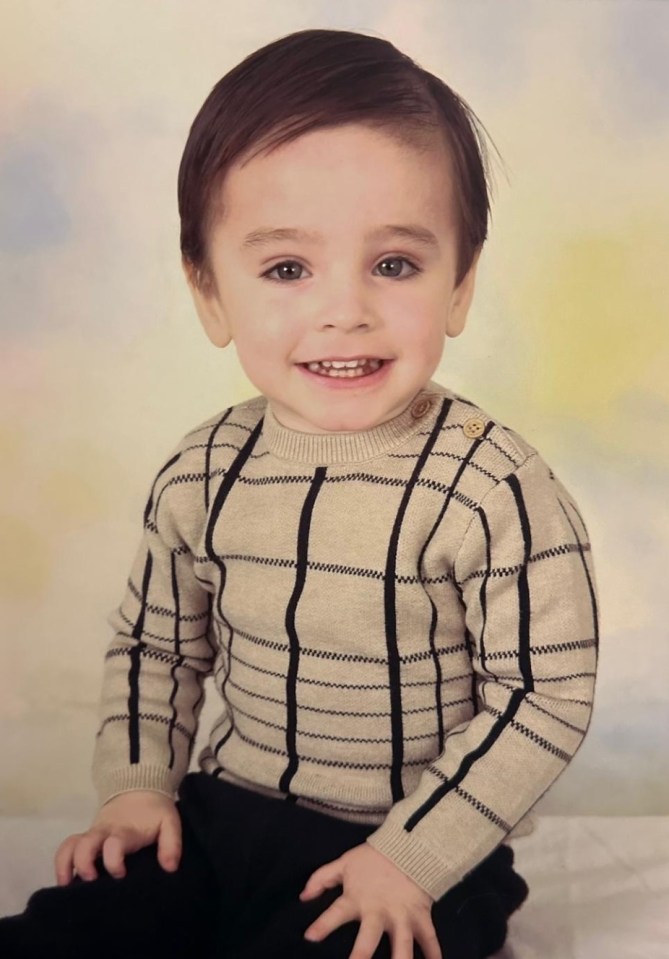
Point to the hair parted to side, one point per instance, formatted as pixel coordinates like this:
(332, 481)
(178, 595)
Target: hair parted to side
(323, 78)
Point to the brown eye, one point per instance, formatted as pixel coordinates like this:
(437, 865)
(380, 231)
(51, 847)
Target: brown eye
(283, 274)
(395, 260)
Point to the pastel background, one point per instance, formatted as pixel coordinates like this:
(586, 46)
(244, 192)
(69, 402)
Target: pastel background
(103, 365)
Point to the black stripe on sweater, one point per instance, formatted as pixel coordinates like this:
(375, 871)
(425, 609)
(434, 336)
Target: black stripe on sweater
(135, 661)
(177, 650)
(483, 598)
(390, 597)
(484, 810)
(149, 505)
(207, 455)
(497, 729)
(525, 666)
(524, 606)
(293, 663)
(452, 492)
(222, 493)
(433, 621)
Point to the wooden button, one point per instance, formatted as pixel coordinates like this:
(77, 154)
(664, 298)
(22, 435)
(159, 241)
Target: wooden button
(473, 427)
(420, 408)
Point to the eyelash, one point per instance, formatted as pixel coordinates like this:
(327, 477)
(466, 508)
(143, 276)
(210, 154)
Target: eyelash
(417, 269)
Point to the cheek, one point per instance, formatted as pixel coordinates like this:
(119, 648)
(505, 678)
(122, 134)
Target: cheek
(431, 349)
(263, 318)
(421, 333)
(275, 341)
(262, 348)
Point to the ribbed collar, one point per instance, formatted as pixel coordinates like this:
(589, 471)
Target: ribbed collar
(329, 449)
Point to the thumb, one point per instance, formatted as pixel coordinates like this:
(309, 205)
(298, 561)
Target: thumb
(169, 842)
(328, 876)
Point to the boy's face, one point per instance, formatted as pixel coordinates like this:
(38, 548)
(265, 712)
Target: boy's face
(297, 306)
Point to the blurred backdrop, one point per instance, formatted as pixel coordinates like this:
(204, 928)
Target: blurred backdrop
(103, 365)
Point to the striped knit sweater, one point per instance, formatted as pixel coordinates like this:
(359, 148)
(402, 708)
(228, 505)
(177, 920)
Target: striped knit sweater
(401, 625)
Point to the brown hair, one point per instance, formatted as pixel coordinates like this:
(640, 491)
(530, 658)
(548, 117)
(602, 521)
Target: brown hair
(325, 78)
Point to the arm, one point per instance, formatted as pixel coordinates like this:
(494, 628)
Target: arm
(525, 578)
(159, 655)
(152, 692)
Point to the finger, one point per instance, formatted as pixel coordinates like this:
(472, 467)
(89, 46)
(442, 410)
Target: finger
(85, 852)
(402, 938)
(367, 940)
(113, 856)
(426, 937)
(63, 860)
(336, 915)
(169, 843)
(326, 877)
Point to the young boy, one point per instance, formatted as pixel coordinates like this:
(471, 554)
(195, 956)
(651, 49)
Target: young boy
(393, 591)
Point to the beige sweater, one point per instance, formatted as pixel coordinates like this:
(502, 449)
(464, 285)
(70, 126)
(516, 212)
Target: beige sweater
(401, 625)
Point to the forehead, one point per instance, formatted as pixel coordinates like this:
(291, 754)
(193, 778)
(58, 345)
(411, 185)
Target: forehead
(345, 175)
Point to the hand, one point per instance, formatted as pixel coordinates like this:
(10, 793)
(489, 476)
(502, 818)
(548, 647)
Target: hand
(381, 896)
(125, 824)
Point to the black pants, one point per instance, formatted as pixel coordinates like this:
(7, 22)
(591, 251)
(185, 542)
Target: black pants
(245, 860)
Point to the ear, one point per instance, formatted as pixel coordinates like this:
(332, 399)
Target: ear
(207, 304)
(461, 300)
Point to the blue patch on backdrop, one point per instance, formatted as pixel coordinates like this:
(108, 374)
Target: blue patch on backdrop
(32, 215)
(490, 37)
(640, 62)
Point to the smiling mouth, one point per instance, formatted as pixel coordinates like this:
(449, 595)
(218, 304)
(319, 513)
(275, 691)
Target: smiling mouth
(344, 368)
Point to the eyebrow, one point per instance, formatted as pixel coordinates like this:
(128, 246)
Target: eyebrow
(262, 237)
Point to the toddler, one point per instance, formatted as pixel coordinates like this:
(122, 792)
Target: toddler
(392, 591)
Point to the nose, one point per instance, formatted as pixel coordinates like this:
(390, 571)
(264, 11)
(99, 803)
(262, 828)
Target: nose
(347, 309)
(346, 324)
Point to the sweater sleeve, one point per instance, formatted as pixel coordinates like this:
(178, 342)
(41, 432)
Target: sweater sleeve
(159, 656)
(524, 574)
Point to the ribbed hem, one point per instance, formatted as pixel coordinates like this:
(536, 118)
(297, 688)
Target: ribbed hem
(330, 449)
(417, 861)
(154, 778)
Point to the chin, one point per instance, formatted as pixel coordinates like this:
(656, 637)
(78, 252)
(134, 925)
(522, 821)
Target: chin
(361, 416)
(348, 424)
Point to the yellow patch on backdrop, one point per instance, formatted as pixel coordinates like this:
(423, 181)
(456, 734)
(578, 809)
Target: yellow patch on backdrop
(596, 314)
(78, 490)
(11, 446)
(24, 561)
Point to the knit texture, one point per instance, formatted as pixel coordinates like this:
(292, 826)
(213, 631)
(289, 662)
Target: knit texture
(401, 625)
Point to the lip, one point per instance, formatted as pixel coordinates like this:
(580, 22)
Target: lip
(344, 359)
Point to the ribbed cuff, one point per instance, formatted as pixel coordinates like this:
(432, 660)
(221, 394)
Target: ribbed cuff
(415, 860)
(131, 778)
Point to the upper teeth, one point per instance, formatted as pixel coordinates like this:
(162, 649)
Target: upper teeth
(341, 364)
(343, 367)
